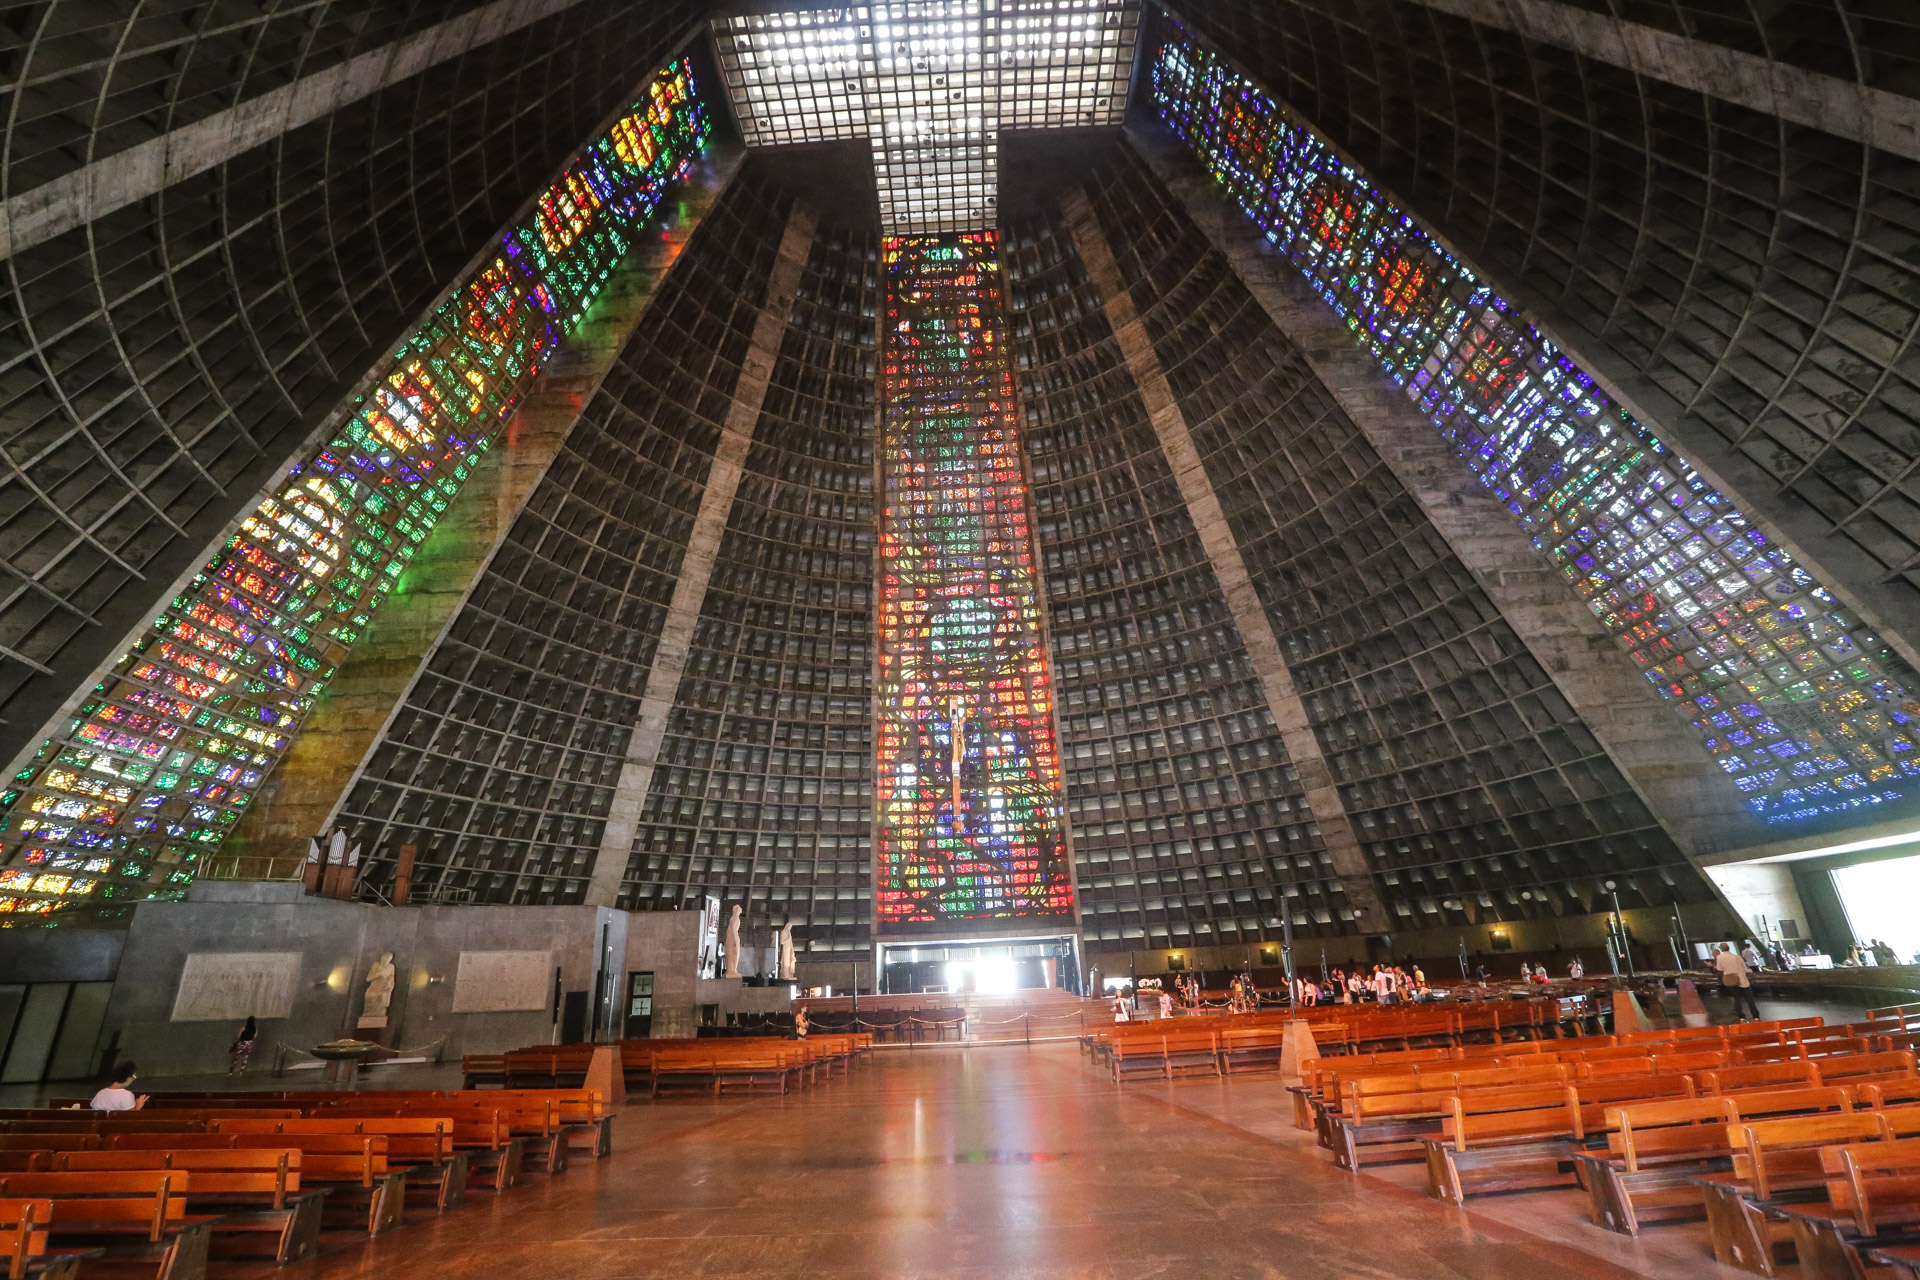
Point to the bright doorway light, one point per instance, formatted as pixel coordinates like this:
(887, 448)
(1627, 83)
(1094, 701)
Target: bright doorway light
(991, 976)
(1879, 898)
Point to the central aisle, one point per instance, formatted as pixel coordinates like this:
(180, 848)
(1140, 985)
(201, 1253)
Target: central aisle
(1001, 1162)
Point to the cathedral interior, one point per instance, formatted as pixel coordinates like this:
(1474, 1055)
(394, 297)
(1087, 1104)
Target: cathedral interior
(545, 526)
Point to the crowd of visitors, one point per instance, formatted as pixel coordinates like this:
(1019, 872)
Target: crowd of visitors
(1384, 984)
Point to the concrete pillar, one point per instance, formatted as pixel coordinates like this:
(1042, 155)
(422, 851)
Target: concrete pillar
(1646, 737)
(1230, 570)
(696, 567)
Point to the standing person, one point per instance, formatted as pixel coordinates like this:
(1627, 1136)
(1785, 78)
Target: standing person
(800, 1024)
(1120, 1006)
(1750, 956)
(118, 1096)
(1576, 970)
(1734, 977)
(1166, 1003)
(242, 1048)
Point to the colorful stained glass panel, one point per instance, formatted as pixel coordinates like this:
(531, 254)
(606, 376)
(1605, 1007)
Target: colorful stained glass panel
(158, 765)
(1806, 710)
(967, 775)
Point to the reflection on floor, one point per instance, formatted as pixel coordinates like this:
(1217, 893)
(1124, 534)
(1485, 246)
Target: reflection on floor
(998, 1162)
(993, 1162)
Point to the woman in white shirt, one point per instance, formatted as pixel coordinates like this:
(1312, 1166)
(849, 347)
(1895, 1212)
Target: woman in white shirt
(116, 1096)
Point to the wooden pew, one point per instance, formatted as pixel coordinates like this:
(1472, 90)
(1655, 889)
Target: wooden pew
(24, 1248)
(737, 1067)
(1773, 1158)
(364, 1193)
(1653, 1149)
(479, 1070)
(1165, 1054)
(421, 1146)
(1504, 1139)
(256, 1195)
(128, 1215)
(1796, 1074)
(1251, 1049)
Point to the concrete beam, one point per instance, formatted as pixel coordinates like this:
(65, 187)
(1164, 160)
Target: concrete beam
(1844, 108)
(696, 566)
(1229, 569)
(129, 176)
(304, 794)
(1644, 735)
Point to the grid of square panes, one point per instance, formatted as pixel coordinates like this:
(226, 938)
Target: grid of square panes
(501, 764)
(1806, 709)
(930, 83)
(159, 765)
(1468, 779)
(164, 359)
(1189, 826)
(763, 791)
(967, 795)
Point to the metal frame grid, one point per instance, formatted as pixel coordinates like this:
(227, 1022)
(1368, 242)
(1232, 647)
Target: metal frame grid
(967, 801)
(1803, 706)
(1476, 791)
(1190, 826)
(930, 83)
(158, 766)
(500, 766)
(763, 794)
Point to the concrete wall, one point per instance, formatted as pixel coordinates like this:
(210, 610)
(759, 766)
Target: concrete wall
(1764, 894)
(339, 940)
(60, 955)
(668, 943)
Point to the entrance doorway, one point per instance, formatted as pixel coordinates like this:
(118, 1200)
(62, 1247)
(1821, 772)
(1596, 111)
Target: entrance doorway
(986, 967)
(1879, 898)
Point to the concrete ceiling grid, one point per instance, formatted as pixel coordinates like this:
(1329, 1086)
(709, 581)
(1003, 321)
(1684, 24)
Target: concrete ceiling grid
(1461, 775)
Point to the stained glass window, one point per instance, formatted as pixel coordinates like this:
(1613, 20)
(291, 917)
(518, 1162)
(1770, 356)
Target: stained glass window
(1795, 698)
(967, 775)
(158, 764)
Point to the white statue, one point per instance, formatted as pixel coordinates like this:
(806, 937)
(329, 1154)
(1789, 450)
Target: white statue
(373, 1012)
(733, 943)
(786, 952)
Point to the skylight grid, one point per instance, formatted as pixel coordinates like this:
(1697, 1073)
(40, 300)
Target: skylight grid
(930, 82)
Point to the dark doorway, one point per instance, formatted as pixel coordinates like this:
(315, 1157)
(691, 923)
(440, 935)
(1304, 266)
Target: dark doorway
(573, 1018)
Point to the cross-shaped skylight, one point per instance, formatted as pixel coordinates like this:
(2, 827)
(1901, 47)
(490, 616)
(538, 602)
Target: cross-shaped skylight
(931, 83)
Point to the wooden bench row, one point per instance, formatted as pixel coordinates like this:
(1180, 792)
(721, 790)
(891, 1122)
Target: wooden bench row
(199, 1176)
(750, 1063)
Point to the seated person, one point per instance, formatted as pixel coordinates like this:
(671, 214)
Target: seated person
(117, 1096)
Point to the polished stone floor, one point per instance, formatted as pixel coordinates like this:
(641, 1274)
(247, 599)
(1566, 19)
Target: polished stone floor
(994, 1162)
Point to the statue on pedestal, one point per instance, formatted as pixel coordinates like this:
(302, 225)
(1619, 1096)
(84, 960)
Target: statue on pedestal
(373, 1011)
(786, 952)
(733, 943)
